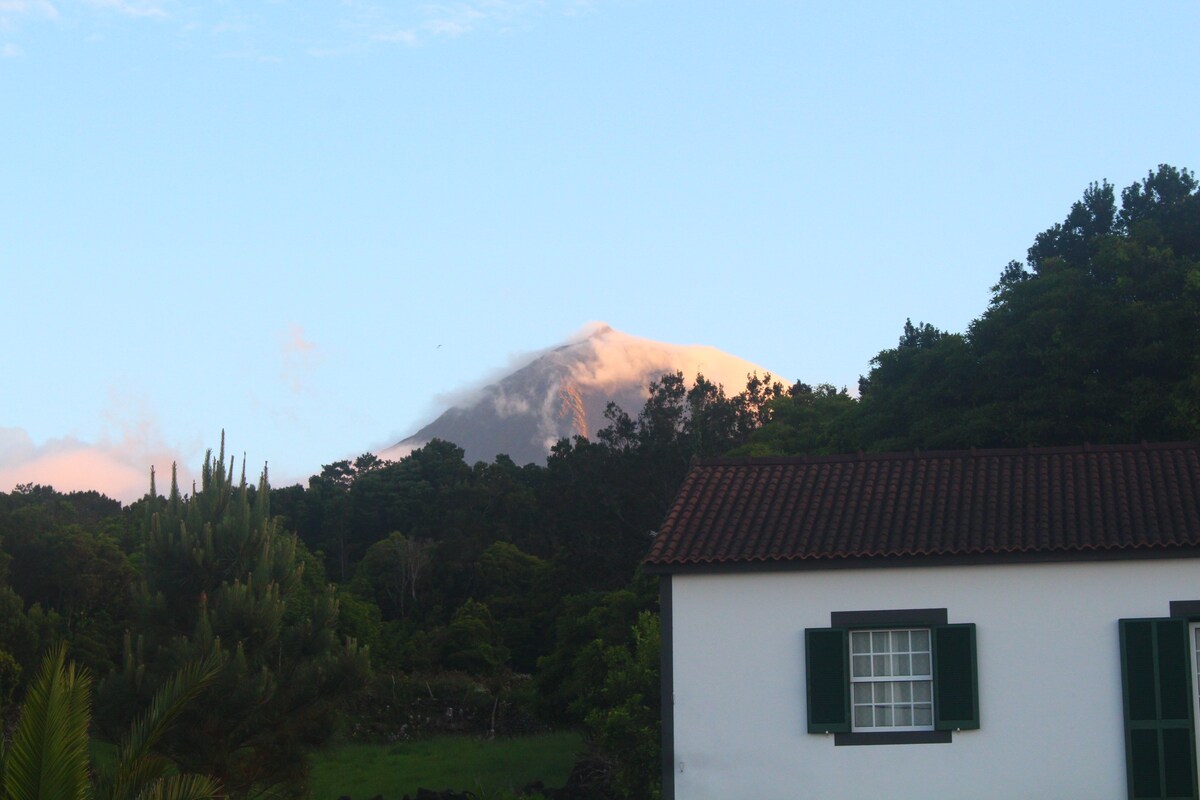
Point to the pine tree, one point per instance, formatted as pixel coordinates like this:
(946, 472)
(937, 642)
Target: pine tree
(219, 577)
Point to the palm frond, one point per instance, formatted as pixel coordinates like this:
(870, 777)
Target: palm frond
(137, 768)
(48, 757)
(123, 780)
(182, 787)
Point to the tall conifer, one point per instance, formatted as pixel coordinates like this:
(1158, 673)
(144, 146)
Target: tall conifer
(219, 576)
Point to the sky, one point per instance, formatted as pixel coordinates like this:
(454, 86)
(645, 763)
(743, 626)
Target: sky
(309, 223)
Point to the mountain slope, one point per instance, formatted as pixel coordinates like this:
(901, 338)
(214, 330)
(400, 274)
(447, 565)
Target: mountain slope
(563, 392)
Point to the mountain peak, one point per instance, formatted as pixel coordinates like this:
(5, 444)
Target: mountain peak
(564, 392)
(593, 330)
(596, 329)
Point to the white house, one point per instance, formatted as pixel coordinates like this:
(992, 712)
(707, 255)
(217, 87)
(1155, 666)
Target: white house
(975, 624)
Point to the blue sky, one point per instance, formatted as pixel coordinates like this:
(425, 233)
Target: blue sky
(306, 222)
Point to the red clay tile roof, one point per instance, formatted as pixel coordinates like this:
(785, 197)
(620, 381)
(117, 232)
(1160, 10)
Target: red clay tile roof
(963, 503)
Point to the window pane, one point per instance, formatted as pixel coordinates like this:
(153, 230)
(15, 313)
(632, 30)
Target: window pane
(883, 716)
(883, 666)
(903, 692)
(863, 717)
(904, 716)
(922, 715)
(879, 641)
(899, 641)
(1196, 671)
(861, 666)
(860, 642)
(901, 665)
(920, 664)
(883, 692)
(920, 640)
(922, 691)
(862, 692)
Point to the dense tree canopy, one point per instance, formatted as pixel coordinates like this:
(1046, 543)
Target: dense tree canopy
(220, 578)
(1094, 338)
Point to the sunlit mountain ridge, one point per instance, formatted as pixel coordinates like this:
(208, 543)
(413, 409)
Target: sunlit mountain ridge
(563, 392)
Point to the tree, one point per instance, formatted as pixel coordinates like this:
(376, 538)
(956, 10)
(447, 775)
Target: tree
(813, 420)
(1099, 339)
(219, 577)
(679, 423)
(392, 573)
(81, 575)
(517, 589)
(573, 672)
(471, 642)
(329, 495)
(10, 677)
(625, 717)
(25, 633)
(1094, 338)
(48, 758)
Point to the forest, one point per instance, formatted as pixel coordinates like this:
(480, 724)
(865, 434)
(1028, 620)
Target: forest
(389, 601)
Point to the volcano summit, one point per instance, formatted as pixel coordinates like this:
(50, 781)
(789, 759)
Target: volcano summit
(562, 392)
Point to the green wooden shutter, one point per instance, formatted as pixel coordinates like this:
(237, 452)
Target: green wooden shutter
(955, 678)
(1156, 680)
(828, 677)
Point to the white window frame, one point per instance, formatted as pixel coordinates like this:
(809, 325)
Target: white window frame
(1194, 653)
(892, 656)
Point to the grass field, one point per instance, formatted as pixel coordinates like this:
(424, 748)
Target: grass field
(448, 762)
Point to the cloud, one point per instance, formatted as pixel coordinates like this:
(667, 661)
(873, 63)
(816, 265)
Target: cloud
(117, 463)
(131, 8)
(10, 50)
(452, 20)
(275, 30)
(119, 468)
(617, 358)
(32, 8)
(507, 405)
(398, 451)
(575, 8)
(299, 356)
(13, 11)
(402, 36)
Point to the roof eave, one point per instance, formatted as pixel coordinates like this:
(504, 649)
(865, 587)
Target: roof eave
(935, 560)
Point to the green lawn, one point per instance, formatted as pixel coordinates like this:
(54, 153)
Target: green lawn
(448, 762)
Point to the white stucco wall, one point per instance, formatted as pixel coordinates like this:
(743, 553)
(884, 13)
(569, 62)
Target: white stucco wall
(1049, 681)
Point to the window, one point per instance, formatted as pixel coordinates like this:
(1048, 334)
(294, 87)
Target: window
(891, 677)
(1194, 631)
(891, 680)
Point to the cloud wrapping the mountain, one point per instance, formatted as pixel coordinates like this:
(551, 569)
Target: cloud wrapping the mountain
(507, 405)
(618, 359)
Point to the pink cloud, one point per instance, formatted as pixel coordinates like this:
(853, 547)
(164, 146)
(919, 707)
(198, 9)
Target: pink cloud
(299, 357)
(618, 358)
(119, 469)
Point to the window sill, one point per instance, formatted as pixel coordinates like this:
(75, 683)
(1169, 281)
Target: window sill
(892, 737)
